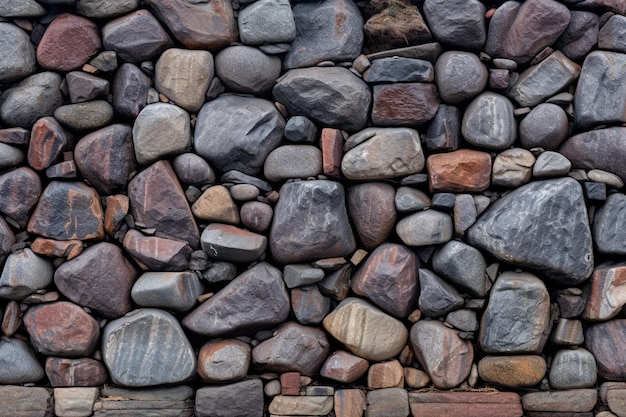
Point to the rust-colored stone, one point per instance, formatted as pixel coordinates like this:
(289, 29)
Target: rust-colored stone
(48, 140)
(82, 372)
(516, 371)
(57, 248)
(65, 170)
(20, 190)
(290, 383)
(464, 170)
(405, 104)
(117, 207)
(332, 145)
(465, 404)
(344, 367)
(12, 319)
(388, 374)
(605, 292)
(158, 253)
(349, 403)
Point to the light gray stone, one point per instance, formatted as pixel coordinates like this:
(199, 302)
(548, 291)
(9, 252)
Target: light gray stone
(546, 126)
(24, 273)
(489, 122)
(297, 275)
(571, 369)
(105, 8)
(267, 22)
(26, 401)
(612, 35)
(244, 69)
(171, 290)
(19, 364)
(21, 8)
(460, 76)
(293, 161)
(161, 130)
(609, 221)
(411, 199)
(17, 53)
(463, 266)
(512, 167)
(37, 96)
(551, 164)
(458, 23)
(430, 227)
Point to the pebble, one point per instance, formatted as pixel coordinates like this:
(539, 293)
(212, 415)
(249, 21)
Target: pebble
(267, 22)
(430, 227)
(518, 371)
(512, 168)
(404, 104)
(244, 192)
(607, 178)
(464, 170)
(256, 216)
(488, 122)
(568, 332)
(19, 364)
(293, 161)
(224, 360)
(551, 164)
(216, 205)
(571, 369)
(297, 275)
(444, 131)
(344, 367)
(245, 69)
(243, 398)
(17, 54)
(84, 87)
(464, 212)
(300, 129)
(460, 76)
(409, 199)
(462, 265)
(193, 169)
(220, 272)
(436, 297)
(117, 207)
(372, 210)
(24, 273)
(90, 115)
(176, 291)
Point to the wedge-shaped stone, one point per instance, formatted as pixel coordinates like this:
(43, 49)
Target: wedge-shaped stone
(372, 210)
(462, 265)
(157, 253)
(171, 290)
(216, 205)
(229, 243)
(256, 299)
(365, 330)
(24, 273)
(605, 293)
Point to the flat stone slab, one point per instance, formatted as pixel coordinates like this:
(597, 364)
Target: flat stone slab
(465, 404)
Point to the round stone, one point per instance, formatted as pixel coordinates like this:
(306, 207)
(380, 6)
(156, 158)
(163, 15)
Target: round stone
(224, 360)
(430, 227)
(244, 192)
(256, 216)
(489, 122)
(245, 69)
(460, 76)
(17, 54)
(571, 369)
(24, 273)
(293, 161)
(193, 169)
(512, 371)
(90, 115)
(546, 126)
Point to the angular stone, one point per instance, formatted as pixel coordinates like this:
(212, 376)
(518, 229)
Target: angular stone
(437, 297)
(224, 360)
(605, 294)
(464, 320)
(135, 347)
(193, 169)
(572, 369)
(464, 170)
(488, 122)
(267, 22)
(48, 140)
(570, 401)
(527, 227)
(512, 167)
(517, 317)
(614, 398)
(365, 330)
(372, 211)
(544, 80)
(609, 219)
(7, 239)
(388, 374)
(17, 53)
(130, 91)
(518, 371)
(408, 199)
(293, 240)
(430, 227)
(296, 275)
(382, 153)
(344, 367)
(20, 189)
(293, 347)
(89, 115)
(234, 132)
(399, 69)
(465, 404)
(35, 97)
(519, 31)
(255, 300)
(135, 37)
(19, 365)
(26, 401)
(229, 243)
(568, 332)
(301, 405)
(349, 403)
(444, 131)
(239, 399)
(69, 42)
(460, 76)
(183, 76)
(256, 216)
(611, 35)
(462, 265)
(309, 305)
(188, 22)
(84, 87)
(293, 161)
(100, 278)
(100, 9)
(387, 402)
(603, 340)
(339, 98)
(105, 158)
(457, 23)
(404, 104)
(82, 372)
(75, 402)
(176, 291)
(220, 272)
(330, 31)
(336, 284)
(22, 8)
(580, 36)
(216, 205)
(117, 207)
(157, 200)
(244, 69)
(24, 273)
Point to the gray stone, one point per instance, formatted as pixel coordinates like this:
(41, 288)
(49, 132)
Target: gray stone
(444, 131)
(309, 305)
(330, 96)
(103, 9)
(75, 401)
(7, 239)
(399, 69)
(161, 130)
(24, 273)
(378, 153)
(551, 164)
(464, 213)
(229, 243)
(267, 22)
(90, 115)
(170, 290)
(224, 360)
(26, 401)
(327, 31)
(517, 317)
(489, 122)
(611, 180)
(293, 161)
(84, 87)
(255, 300)
(241, 399)
(22, 8)
(10, 156)
(512, 167)
(604, 341)
(105, 61)
(387, 402)
(601, 92)
(425, 228)
(437, 297)
(183, 76)
(244, 69)
(544, 80)
(130, 91)
(237, 177)
(462, 265)
(464, 320)
(220, 272)
(372, 211)
(580, 36)
(411, 199)
(609, 221)
(528, 227)
(297, 275)
(571, 369)
(37, 96)
(19, 364)
(17, 53)
(546, 126)
(135, 347)
(311, 405)
(612, 35)
(256, 216)
(460, 76)
(300, 129)
(569, 402)
(310, 223)
(193, 169)
(234, 132)
(458, 23)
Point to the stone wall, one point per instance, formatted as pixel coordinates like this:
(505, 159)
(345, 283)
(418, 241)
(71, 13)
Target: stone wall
(320, 208)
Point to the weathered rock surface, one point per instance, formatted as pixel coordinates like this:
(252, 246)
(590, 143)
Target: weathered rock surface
(244, 69)
(16, 52)
(489, 123)
(457, 23)
(372, 211)
(605, 292)
(603, 341)
(437, 297)
(463, 266)
(460, 76)
(518, 371)
(243, 398)
(19, 364)
(225, 360)
(82, 372)
(24, 273)
(430, 227)
(571, 369)
(177, 291)
(404, 104)
(229, 243)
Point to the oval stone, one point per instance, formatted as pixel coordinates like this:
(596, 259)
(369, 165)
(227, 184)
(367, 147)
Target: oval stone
(17, 54)
(293, 161)
(489, 122)
(512, 371)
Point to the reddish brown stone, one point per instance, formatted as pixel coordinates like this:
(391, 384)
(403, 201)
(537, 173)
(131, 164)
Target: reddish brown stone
(15, 136)
(20, 190)
(349, 403)
(309, 305)
(465, 404)
(61, 329)
(100, 278)
(344, 367)
(68, 43)
(7, 239)
(65, 169)
(116, 210)
(372, 210)
(389, 279)
(48, 140)
(290, 383)
(332, 146)
(158, 253)
(256, 216)
(464, 170)
(82, 372)
(388, 374)
(57, 248)
(404, 104)
(106, 158)
(208, 26)
(12, 319)
(67, 211)
(158, 201)
(605, 292)
(605, 341)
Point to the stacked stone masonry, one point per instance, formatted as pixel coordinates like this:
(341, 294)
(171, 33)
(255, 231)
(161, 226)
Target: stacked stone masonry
(312, 208)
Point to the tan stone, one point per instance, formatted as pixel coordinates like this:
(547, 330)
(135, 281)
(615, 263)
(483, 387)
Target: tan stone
(75, 402)
(415, 378)
(116, 210)
(349, 403)
(386, 375)
(512, 371)
(301, 405)
(572, 401)
(216, 205)
(464, 170)
(465, 404)
(512, 167)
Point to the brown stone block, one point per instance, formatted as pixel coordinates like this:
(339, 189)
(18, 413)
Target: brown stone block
(405, 104)
(290, 383)
(332, 146)
(465, 404)
(464, 170)
(57, 248)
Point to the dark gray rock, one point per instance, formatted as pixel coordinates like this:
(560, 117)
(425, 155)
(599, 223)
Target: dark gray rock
(399, 69)
(245, 69)
(330, 96)
(300, 129)
(601, 92)
(241, 399)
(608, 225)
(170, 290)
(546, 126)
(489, 122)
(464, 320)
(100, 9)
(238, 177)
(267, 22)
(328, 31)
(542, 226)
(411, 199)
(7, 239)
(460, 76)
(572, 369)
(580, 36)
(444, 131)
(220, 272)
(20, 189)
(17, 53)
(135, 348)
(130, 91)
(193, 169)
(234, 132)
(612, 35)
(256, 216)
(229, 243)
(24, 273)
(37, 96)
(19, 364)
(462, 265)
(517, 317)
(436, 297)
(255, 300)
(605, 341)
(310, 222)
(297, 275)
(458, 23)
(84, 87)
(293, 348)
